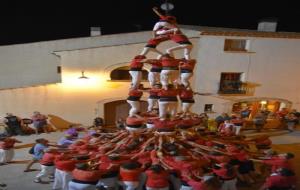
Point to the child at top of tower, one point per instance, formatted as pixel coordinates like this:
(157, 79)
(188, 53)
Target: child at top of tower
(166, 29)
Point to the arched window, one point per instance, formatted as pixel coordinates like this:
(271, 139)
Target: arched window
(122, 73)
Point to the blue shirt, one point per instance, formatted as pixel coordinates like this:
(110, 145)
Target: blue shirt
(39, 151)
(65, 142)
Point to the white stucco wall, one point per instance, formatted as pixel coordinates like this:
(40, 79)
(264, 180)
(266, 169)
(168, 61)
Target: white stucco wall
(74, 99)
(273, 63)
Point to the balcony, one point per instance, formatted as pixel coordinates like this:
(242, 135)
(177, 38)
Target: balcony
(234, 87)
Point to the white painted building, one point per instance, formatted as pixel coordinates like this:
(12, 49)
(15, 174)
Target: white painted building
(255, 66)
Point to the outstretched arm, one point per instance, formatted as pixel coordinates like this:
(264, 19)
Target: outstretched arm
(155, 9)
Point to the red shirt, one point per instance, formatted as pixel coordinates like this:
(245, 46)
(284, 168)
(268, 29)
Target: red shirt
(7, 143)
(154, 91)
(169, 62)
(186, 123)
(135, 93)
(280, 181)
(186, 94)
(222, 173)
(64, 165)
(85, 175)
(157, 180)
(155, 63)
(134, 121)
(188, 64)
(136, 64)
(168, 93)
(144, 158)
(165, 124)
(277, 162)
(111, 165)
(48, 158)
(130, 175)
(241, 155)
(177, 164)
(219, 158)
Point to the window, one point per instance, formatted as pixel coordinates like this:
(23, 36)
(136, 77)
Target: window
(122, 73)
(231, 83)
(58, 69)
(208, 107)
(236, 45)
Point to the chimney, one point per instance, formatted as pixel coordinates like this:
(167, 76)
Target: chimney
(95, 31)
(267, 25)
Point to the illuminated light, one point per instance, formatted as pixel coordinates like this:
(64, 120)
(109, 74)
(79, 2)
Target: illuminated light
(95, 81)
(263, 102)
(83, 76)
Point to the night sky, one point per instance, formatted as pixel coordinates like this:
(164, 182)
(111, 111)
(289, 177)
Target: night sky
(25, 22)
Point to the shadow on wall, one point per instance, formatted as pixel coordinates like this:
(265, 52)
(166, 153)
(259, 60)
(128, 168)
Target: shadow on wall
(59, 123)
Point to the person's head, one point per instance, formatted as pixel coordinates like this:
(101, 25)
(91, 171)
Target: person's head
(36, 113)
(214, 153)
(9, 114)
(42, 141)
(170, 86)
(170, 147)
(131, 165)
(150, 147)
(114, 156)
(287, 155)
(82, 157)
(82, 166)
(157, 85)
(95, 135)
(156, 168)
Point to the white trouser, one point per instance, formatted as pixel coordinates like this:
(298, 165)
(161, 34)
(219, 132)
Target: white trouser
(81, 186)
(129, 185)
(164, 188)
(186, 50)
(110, 183)
(176, 182)
(136, 78)
(237, 129)
(185, 78)
(185, 107)
(150, 125)
(168, 76)
(153, 78)
(151, 103)
(166, 107)
(6, 155)
(135, 107)
(229, 184)
(61, 180)
(183, 187)
(45, 171)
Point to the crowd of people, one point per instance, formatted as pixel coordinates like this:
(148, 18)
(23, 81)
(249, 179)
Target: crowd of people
(15, 125)
(187, 159)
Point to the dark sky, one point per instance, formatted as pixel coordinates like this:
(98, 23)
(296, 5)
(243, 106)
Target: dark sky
(48, 20)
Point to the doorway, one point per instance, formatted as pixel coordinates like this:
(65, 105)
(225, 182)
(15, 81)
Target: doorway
(119, 109)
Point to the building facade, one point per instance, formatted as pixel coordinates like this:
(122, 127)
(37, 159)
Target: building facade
(236, 69)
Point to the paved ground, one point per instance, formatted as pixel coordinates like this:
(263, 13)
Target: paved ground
(16, 179)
